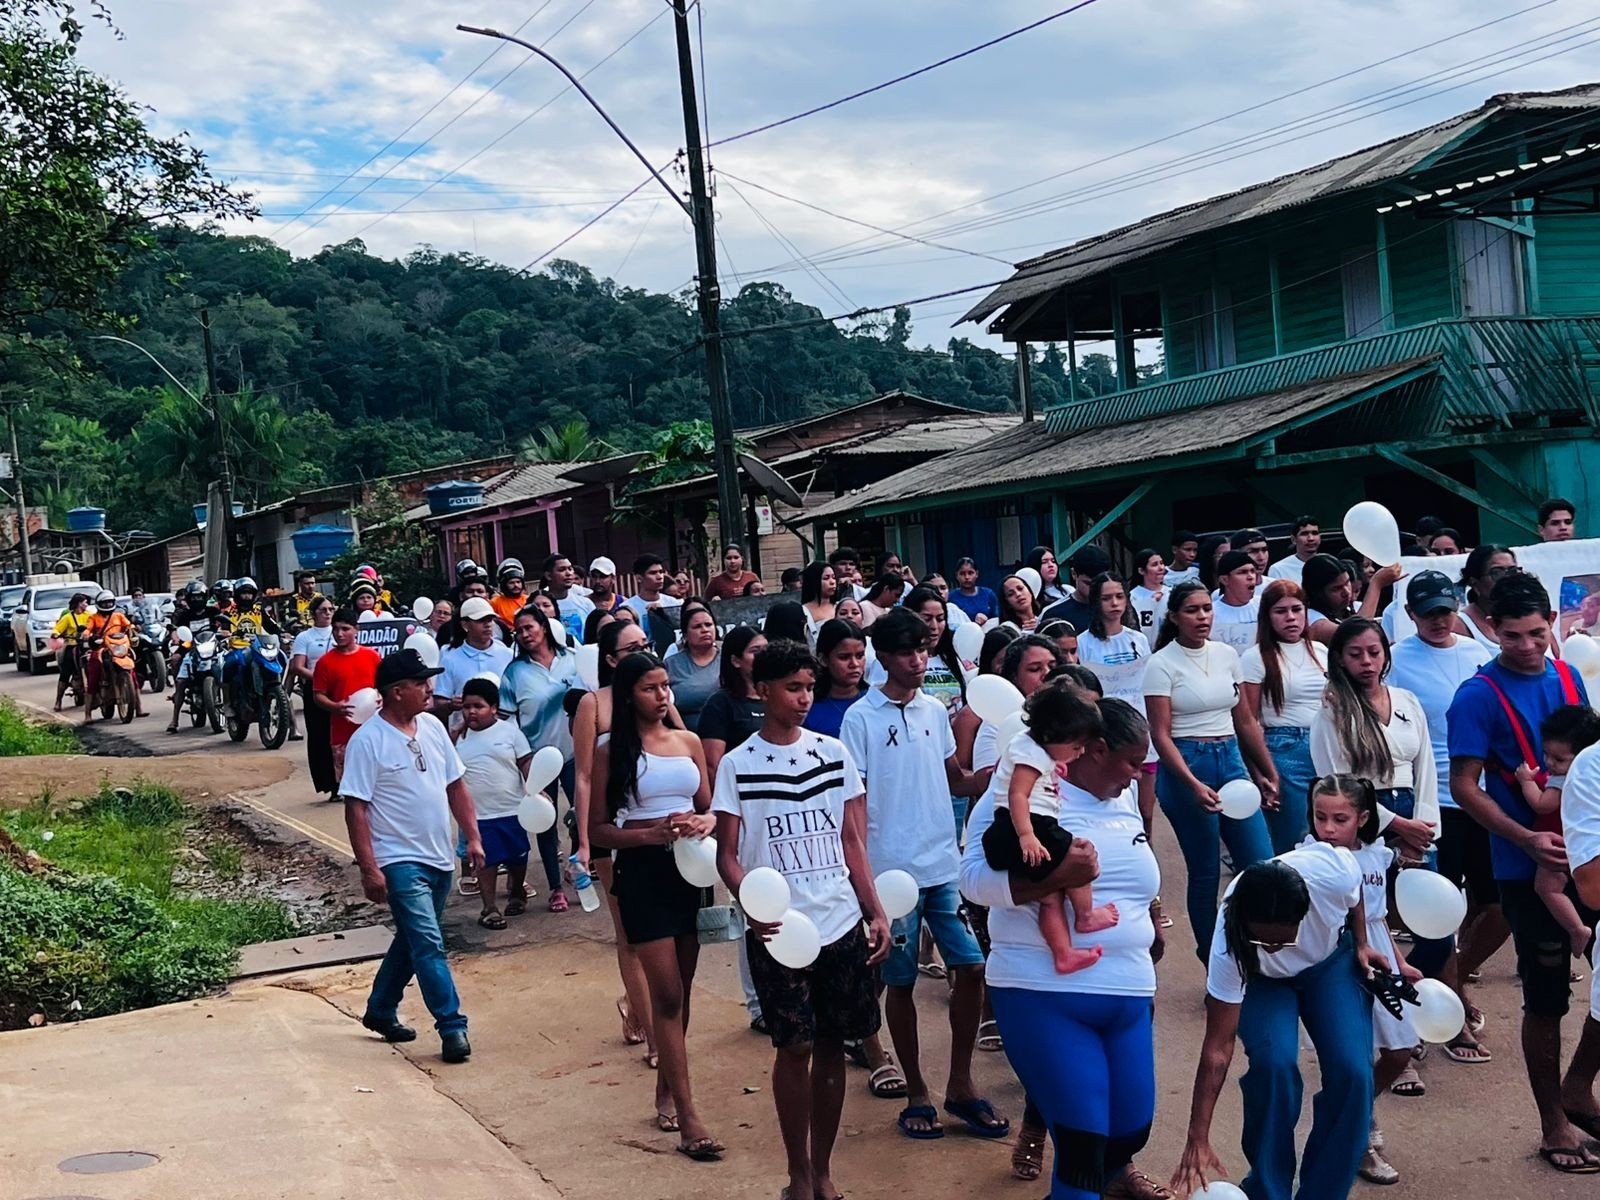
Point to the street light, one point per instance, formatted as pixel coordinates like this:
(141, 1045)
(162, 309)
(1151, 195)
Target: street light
(729, 504)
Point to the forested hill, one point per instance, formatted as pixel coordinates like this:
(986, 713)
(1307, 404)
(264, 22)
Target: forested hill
(347, 364)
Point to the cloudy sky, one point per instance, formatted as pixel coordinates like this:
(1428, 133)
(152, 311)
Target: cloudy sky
(376, 119)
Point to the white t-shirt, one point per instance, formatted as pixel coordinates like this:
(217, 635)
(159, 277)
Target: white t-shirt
(1288, 568)
(1125, 647)
(1150, 607)
(641, 606)
(1432, 674)
(1044, 798)
(489, 757)
(313, 643)
(1177, 575)
(1580, 826)
(1202, 684)
(790, 803)
(1334, 879)
(900, 751)
(1224, 613)
(1304, 673)
(462, 662)
(1410, 755)
(407, 808)
(1129, 878)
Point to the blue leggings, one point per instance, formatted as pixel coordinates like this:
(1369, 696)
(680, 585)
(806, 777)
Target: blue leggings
(1088, 1063)
(1428, 955)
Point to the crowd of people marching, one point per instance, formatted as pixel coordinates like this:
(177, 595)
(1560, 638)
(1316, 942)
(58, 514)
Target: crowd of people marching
(835, 743)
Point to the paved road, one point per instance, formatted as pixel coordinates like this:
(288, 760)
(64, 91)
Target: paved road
(551, 1077)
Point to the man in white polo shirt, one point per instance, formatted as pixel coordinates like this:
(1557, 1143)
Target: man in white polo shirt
(482, 653)
(402, 784)
(901, 742)
(1307, 544)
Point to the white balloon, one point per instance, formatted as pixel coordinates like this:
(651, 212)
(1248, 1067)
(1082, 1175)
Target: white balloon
(535, 813)
(968, 641)
(764, 894)
(1441, 1015)
(364, 705)
(545, 768)
(1219, 1189)
(696, 859)
(488, 675)
(1582, 653)
(422, 608)
(425, 646)
(1241, 799)
(797, 942)
(1371, 529)
(993, 697)
(1009, 728)
(1030, 577)
(589, 666)
(897, 892)
(1429, 904)
(369, 614)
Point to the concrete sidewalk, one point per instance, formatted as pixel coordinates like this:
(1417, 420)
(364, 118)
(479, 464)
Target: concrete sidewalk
(256, 1094)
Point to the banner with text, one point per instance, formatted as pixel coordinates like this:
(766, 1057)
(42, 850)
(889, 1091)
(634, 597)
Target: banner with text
(1570, 572)
(386, 634)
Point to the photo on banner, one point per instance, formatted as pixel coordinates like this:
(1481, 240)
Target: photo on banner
(1580, 605)
(1570, 572)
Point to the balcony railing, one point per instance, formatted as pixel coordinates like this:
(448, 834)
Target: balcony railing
(1494, 370)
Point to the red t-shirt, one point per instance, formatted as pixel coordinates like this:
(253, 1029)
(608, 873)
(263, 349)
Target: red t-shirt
(338, 677)
(722, 588)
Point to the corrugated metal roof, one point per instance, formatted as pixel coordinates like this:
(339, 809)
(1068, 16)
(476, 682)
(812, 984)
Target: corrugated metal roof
(525, 483)
(1031, 451)
(928, 437)
(1386, 161)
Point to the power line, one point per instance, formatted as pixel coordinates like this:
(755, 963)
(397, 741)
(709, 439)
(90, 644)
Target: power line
(888, 83)
(491, 208)
(816, 273)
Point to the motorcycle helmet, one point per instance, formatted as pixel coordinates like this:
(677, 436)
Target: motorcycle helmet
(194, 590)
(245, 584)
(222, 586)
(367, 569)
(510, 569)
(467, 569)
(105, 601)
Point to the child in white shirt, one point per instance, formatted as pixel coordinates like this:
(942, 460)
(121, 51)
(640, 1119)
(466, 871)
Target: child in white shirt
(1566, 731)
(1026, 835)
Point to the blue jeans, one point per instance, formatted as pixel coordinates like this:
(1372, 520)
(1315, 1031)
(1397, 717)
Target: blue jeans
(1290, 748)
(417, 893)
(1427, 955)
(940, 908)
(1337, 1012)
(1200, 833)
(1088, 1063)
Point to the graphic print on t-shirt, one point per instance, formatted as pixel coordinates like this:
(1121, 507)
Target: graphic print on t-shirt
(806, 838)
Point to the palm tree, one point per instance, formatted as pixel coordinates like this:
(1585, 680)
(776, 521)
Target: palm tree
(570, 442)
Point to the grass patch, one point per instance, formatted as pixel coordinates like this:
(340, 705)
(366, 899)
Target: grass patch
(110, 924)
(19, 735)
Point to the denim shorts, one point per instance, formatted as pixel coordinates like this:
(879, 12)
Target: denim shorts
(940, 907)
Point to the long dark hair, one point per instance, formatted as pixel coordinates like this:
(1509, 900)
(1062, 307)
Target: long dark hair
(882, 584)
(786, 621)
(1169, 627)
(1354, 788)
(1271, 892)
(1271, 654)
(556, 642)
(945, 647)
(811, 582)
(626, 745)
(1007, 613)
(1355, 722)
(1321, 572)
(1477, 563)
(1018, 649)
(1036, 561)
(608, 646)
(829, 636)
(995, 641)
(1097, 620)
(733, 648)
(689, 607)
(1207, 559)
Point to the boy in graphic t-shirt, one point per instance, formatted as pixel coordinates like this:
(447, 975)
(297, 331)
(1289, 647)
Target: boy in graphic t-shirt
(791, 800)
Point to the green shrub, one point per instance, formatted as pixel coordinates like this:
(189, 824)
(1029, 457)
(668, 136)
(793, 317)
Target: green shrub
(19, 735)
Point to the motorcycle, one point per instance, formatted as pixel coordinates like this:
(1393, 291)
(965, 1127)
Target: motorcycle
(117, 683)
(258, 695)
(204, 697)
(150, 651)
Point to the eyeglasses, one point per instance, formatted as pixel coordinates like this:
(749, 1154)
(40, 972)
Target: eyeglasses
(422, 763)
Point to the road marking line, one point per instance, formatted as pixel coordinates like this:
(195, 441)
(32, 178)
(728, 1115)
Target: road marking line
(294, 823)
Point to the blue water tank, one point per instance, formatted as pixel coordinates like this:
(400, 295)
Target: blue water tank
(200, 512)
(85, 519)
(453, 496)
(317, 545)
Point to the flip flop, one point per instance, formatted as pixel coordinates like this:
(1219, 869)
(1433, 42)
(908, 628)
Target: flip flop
(887, 1082)
(1453, 1050)
(973, 1113)
(1409, 1084)
(1587, 1164)
(703, 1149)
(856, 1053)
(492, 919)
(667, 1122)
(932, 970)
(920, 1112)
(990, 1041)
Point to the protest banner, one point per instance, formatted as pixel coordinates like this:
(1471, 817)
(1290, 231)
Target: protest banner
(740, 610)
(386, 634)
(1122, 681)
(1570, 572)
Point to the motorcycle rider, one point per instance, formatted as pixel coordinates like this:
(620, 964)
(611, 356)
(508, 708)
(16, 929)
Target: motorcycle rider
(144, 611)
(69, 628)
(106, 621)
(188, 612)
(512, 594)
(363, 597)
(249, 618)
(304, 598)
(383, 602)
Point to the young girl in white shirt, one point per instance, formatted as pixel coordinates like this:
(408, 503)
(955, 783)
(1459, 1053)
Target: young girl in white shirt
(1026, 836)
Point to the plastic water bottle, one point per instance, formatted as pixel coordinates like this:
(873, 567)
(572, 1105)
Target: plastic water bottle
(588, 895)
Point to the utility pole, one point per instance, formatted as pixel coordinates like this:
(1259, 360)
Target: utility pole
(214, 403)
(16, 483)
(730, 502)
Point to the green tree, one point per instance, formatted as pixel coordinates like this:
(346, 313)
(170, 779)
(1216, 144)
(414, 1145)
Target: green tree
(569, 442)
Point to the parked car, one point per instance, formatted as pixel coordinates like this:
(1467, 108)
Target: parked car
(33, 619)
(9, 596)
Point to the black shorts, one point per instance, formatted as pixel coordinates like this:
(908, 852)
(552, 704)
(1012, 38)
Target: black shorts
(836, 996)
(653, 899)
(1464, 856)
(1544, 952)
(1003, 851)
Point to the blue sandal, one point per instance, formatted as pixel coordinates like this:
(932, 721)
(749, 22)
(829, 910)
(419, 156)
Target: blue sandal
(923, 1112)
(973, 1114)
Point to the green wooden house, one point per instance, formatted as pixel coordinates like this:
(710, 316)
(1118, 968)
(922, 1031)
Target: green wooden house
(1416, 323)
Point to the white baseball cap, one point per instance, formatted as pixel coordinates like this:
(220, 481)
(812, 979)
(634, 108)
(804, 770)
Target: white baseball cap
(476, 609)
(603, 566)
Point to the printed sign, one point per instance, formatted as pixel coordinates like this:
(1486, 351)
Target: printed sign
(741, 610)
(386, 634)
(1122, 681)
(1569, 570)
